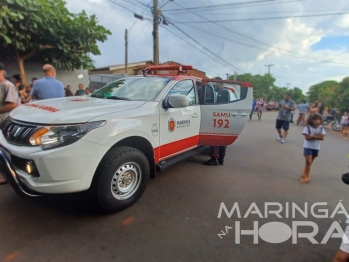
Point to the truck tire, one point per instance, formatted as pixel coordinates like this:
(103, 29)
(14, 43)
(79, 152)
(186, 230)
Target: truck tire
(120, 179)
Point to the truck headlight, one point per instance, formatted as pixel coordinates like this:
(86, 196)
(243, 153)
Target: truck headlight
(50, 137)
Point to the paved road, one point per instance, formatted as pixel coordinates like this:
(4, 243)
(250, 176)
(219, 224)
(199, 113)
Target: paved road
(176, 219)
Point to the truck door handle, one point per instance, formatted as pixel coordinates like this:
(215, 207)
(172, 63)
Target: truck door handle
(238, 114)
(195, 115)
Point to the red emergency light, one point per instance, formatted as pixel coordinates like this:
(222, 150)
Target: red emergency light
(180, 68)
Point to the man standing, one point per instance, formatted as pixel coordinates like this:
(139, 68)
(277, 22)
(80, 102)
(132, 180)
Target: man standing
(47, 87)
(286, 106)
(81, 91)
(254, 103)
(8, 100)
(218, 152)
(321, 108)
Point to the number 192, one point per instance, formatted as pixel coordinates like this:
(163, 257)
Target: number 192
(221, 123)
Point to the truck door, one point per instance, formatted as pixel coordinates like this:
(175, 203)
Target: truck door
(225, 107)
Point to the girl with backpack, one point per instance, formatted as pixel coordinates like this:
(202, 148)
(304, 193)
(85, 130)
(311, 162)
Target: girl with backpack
(313, 133)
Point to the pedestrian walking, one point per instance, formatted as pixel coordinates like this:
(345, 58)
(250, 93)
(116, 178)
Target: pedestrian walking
(344, 122)
(260, 108)
(254, 103)
(313, 133)
(303, 109)
(47, 87)
(286, 106)
(8, 100)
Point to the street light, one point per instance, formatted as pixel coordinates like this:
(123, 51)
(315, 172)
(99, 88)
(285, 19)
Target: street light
(141, 17)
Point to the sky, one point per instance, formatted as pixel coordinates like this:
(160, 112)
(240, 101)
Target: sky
(303, 50)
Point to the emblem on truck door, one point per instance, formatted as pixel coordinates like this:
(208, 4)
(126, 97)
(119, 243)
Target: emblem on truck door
(171, 124)
(155, 130)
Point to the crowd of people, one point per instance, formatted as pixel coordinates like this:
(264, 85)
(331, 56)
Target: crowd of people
(13, 92)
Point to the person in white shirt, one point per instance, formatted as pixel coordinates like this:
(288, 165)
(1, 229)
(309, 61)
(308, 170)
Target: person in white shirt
(8, 100)
(313, 133)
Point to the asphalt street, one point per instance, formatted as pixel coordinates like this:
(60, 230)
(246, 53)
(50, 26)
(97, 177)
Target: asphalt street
(177, 217)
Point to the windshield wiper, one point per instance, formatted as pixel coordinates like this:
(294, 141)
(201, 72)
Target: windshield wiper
(118, 98)
(94, 95)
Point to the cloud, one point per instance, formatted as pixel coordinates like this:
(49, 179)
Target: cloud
(299, 65)
(343, 22)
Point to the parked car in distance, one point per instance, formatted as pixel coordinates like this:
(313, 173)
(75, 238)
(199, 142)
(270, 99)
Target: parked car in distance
(272, 105)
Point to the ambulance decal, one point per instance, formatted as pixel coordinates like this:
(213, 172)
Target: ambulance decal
(171, 124)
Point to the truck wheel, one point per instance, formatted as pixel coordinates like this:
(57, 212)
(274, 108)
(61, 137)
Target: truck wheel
(120, 179)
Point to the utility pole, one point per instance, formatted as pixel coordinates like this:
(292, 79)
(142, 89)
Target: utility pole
(126, 51)
(156, 31)
(157, 19)
(227, 76)
(269, 68)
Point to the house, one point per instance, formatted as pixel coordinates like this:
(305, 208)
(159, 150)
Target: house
(136, 69)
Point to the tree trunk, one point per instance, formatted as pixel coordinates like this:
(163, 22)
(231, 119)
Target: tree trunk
(20, 61)
(21, 70)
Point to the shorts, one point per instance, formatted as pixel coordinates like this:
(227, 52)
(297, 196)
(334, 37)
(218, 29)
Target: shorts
(282, 123)
(311, 152)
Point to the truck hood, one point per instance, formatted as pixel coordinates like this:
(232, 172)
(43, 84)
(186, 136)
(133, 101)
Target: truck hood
(69, 110)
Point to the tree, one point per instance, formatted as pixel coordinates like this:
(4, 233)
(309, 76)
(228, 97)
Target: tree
(315, 90)
(45, 31)
(297, 95)
(341, 95)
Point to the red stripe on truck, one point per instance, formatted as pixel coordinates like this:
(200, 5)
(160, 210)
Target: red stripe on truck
(180, 146)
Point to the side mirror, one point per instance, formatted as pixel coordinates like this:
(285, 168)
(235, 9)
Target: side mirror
(178, 101)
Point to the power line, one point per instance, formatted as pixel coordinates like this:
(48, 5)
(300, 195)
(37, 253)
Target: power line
(273, 12)
(289, 53)
(141, 14)
(231, 5)
(183, 32)
(123, 6)
(205, 53)
(259, 18)
(260, 42)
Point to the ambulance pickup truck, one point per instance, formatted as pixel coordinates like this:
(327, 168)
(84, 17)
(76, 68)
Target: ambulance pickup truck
(111, 142)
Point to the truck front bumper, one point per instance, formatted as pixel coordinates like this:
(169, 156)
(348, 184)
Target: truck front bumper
(13, 178)
(62, 170)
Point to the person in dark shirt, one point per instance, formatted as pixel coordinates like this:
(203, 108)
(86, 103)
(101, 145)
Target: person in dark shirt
(218, 152)
(321, 108)
(68, 91)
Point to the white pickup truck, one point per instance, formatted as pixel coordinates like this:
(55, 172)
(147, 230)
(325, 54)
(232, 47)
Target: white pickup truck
(111, 142)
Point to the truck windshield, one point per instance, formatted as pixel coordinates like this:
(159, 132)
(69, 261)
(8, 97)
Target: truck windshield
(134, 88)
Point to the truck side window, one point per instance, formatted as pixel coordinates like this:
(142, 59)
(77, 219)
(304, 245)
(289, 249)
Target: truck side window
(185, 87)
(221, 93)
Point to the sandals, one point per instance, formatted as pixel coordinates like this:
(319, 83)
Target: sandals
(304, 181)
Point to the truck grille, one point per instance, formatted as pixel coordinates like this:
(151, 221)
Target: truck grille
(16, 132)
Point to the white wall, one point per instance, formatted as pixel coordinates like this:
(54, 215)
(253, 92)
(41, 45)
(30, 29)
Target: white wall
(35, 70)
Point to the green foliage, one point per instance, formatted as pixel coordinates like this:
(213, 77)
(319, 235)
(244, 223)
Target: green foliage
(331, 93)
(264, 86)
(323, 92)
(45, 31)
